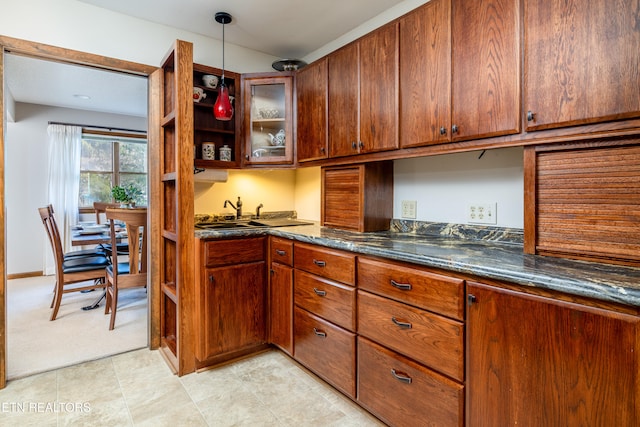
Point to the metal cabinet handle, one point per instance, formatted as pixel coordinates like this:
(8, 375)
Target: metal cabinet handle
(401, 324)
(443, 130)
(454, 129)
(530, 116)
(354, 145)
(319, 333)
(280, 252)
(401, 286)
(211, 279)
(471, 299)
(360, 144)
(401, 376)
(319, 292)
(319, 263)
(246, 156)
(322, 149)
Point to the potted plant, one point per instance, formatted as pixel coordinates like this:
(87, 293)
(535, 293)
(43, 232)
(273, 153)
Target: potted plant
(125, 195)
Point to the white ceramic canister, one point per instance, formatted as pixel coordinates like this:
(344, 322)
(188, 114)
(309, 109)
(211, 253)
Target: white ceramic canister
(208, 151)
(225, 153)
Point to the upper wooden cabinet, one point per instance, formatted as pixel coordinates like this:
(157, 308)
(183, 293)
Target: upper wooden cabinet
(459, 71)
(485, 79)
(425, 75)
(363, 94)
(268, 118)
(581, 62)
(311, 103)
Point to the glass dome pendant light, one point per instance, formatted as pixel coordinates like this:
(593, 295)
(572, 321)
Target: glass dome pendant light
(222, 109)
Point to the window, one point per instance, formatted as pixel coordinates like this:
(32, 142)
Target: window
(108, 160)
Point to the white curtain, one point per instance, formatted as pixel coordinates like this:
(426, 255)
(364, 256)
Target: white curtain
(65, 143)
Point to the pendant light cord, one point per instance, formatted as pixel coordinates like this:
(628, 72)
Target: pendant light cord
(223, 25)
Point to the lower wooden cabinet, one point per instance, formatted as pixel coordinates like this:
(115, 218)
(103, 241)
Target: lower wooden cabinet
(404, 393)
(326, 349)
(281, 294)
(231, 299)
(537, 361)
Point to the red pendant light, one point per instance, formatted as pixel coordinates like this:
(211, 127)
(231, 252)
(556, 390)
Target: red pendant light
(222, 109)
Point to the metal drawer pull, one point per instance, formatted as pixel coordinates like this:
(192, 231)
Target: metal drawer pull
(401, 286)
(401, 376)
(319, 292)
(280, 252)
(319, 263)
(403, 325)
(319, 333)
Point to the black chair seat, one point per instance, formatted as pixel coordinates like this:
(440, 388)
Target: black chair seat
(122, 248)
(123, 268)
(98, 251)
(75, 265)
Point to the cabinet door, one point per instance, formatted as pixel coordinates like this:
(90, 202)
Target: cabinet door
(379, 90)
(233, 316)
(268, 127)
(281, 307)
(425, 75)
(343, 101)
(534, 361)
(581, 63)
(311, 104)
(486, 68)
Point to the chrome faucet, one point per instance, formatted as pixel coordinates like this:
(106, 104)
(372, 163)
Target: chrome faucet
(237, 207)
(258, 210)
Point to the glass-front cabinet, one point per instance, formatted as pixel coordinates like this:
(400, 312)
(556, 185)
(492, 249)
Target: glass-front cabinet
(268, 118)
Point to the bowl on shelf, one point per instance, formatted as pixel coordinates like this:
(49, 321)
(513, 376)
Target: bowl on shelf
(268, 113)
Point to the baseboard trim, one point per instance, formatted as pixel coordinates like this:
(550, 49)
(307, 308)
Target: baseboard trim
(24, 275)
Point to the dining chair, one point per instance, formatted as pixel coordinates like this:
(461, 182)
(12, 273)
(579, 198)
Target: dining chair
(133, 272)
(101, 209)
(98, 250)
(71, 271)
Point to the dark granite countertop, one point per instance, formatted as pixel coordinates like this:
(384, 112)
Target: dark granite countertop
(482, 258)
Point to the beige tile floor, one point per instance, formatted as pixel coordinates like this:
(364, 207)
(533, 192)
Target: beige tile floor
(138, 389)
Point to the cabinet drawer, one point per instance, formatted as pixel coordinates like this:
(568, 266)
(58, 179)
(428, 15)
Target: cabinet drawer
(281, 250)
(230, 252)
(332, 264)
(329, 300)
(432, 340)
(431, 291)
(326, 349)
(402, 392)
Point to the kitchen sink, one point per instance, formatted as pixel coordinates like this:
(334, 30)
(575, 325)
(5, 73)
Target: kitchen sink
(254, 223)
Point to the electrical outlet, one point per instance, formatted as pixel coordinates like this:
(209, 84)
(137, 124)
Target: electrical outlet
(409, 208)
(482, 213)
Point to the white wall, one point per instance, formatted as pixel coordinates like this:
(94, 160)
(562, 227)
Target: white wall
(26, 175)
(444, 186)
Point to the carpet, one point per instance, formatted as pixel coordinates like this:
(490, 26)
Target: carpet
(35, 344)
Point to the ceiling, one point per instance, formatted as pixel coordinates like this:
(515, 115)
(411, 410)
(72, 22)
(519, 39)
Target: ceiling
(282, 28)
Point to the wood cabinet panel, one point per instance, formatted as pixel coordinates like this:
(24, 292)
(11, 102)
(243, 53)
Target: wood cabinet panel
(581, 63)
(379, 90)
(425, 75)
(357, 197)
(432, 340)
(226, 252)
(344, 116)
(486, 68)
(587, 202)
(311, 102)
(409, 284)
(281, 250)
(281, 307)
(536, 361)
(404, 393)
(325, 262)
(330, 300)
(233, 307)
(326, 349)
